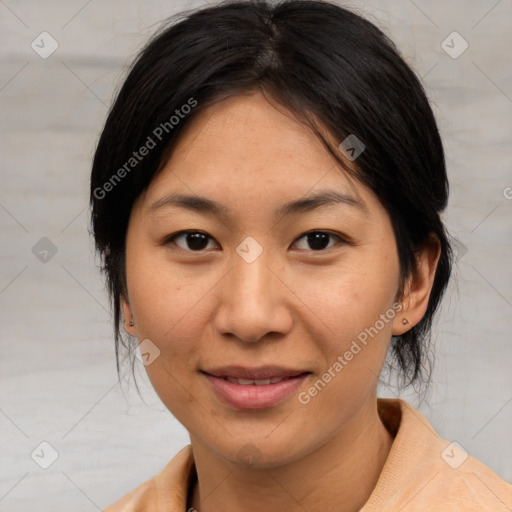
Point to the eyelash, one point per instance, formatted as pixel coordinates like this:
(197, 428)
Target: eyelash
(170, 239)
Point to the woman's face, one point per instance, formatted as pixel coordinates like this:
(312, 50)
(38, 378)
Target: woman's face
(254, 293)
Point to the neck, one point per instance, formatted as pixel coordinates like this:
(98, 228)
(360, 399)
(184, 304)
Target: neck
(344, 471)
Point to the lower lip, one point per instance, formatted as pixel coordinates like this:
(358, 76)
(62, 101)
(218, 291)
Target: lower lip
(253, 396)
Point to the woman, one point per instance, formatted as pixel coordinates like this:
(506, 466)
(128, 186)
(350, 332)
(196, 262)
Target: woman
(266, 197)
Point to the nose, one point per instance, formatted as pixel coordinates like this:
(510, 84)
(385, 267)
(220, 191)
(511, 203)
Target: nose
(255, 303)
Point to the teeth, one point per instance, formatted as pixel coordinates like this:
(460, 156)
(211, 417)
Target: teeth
(260, 382)
(263, 382)
(245, 382)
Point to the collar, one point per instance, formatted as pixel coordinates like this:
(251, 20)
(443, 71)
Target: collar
(413, 438)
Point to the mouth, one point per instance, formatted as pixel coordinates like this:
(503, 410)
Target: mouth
(254, 388)
(257, 382)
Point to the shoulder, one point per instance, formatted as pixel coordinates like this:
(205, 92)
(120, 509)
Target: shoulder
(165, 491)
(136, 500)
(471, 487)
(425, 472)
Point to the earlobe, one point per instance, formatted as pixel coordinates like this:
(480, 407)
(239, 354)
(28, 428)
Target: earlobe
(419, 286)
(401, 322)
(129, 323)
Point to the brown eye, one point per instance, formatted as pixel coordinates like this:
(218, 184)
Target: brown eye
(318, 240)
(193, 241)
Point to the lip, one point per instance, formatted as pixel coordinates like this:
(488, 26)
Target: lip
(254, 396)
(256, 373)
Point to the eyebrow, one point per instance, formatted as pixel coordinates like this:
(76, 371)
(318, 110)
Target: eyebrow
(305, 204)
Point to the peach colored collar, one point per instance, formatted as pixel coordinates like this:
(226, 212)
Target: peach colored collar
(423, 472)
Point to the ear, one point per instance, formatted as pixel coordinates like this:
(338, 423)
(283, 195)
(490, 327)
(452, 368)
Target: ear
(127, 316)
(418, 287)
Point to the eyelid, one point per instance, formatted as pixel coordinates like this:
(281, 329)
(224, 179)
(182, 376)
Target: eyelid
(343, 239)
(170, 238)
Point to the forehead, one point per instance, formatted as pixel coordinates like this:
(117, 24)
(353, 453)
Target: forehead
(248, 128)
(246, 149)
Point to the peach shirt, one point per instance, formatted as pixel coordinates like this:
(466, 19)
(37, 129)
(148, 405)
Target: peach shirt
(423, 472)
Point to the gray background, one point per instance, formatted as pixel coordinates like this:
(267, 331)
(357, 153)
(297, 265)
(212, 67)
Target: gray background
(58, 379)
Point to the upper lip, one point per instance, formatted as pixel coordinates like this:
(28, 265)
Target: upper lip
(259, 373)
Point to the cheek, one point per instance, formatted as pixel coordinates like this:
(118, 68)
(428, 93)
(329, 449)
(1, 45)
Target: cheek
(172, 308)
(352, 304)
(347, 297)
(169, 303)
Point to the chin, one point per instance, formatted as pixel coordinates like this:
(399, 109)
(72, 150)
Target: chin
(258, 452)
